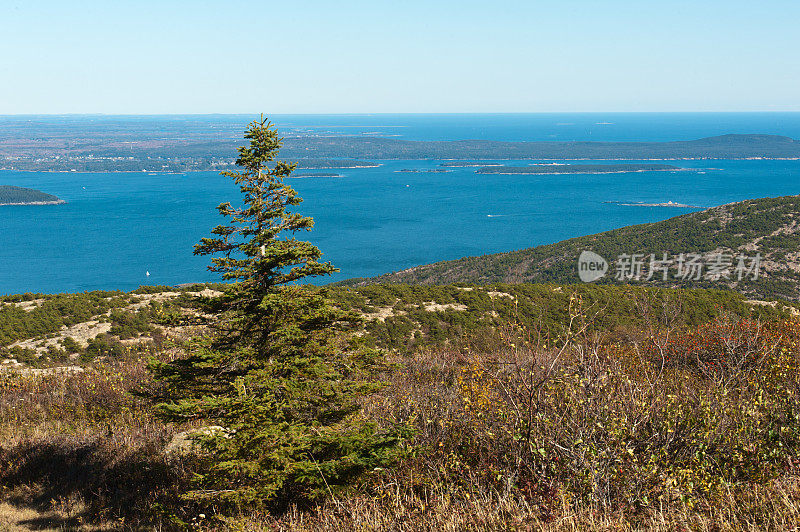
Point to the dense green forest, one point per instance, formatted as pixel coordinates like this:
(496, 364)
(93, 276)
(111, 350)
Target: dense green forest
(12, 195)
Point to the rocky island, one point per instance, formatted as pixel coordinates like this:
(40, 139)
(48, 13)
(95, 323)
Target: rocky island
(576, 169)
(663, 204)
(339, 164)
(422, 170)
(467, 164)
(11, 195)
(315, 174)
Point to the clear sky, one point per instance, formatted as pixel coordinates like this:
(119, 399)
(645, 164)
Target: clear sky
(308, 56)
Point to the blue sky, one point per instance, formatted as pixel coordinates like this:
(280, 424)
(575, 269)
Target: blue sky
(304, 56)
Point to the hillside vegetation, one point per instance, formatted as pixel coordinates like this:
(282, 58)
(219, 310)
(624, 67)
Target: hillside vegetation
(768, 227)
(579, 407)
(45, 331)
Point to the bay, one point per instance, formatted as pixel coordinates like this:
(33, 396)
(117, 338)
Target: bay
(117, 227)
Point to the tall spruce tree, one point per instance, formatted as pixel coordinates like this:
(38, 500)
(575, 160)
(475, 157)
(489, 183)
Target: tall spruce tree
(275, 373)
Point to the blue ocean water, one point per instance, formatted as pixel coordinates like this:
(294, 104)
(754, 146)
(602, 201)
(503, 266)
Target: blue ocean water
(116, 227)
(633, 127)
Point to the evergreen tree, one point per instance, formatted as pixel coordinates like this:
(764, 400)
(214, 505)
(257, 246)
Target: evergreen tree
(276, 373)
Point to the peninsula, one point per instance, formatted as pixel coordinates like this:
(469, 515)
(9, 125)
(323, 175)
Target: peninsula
(11, 195)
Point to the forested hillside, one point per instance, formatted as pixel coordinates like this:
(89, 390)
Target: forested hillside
(767, 227)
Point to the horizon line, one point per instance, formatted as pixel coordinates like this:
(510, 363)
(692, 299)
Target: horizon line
(410, 113)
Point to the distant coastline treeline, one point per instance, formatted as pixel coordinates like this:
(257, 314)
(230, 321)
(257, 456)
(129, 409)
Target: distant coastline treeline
(103, 155)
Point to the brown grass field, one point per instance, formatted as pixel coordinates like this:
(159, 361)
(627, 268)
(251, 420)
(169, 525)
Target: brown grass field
(663, 428)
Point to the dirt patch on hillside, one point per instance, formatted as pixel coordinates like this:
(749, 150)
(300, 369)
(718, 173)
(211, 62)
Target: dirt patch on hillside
(433, 306)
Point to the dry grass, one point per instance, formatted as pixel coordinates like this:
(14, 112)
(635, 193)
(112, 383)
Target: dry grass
(775, 506)
(673, 430)
(81, 452)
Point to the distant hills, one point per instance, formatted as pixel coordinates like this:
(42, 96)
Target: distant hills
(769, 227)
(720, 147)
(110, 154)
(11, 195)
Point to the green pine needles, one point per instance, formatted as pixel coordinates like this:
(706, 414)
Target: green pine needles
(279, 373)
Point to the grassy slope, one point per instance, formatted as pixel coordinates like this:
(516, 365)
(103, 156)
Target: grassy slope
(404, 317)
(69, 329)
(768, 226)
(618, 441)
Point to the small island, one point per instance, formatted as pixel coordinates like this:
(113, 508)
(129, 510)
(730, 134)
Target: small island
(324, 164)
(315, 174)
(546, 169)
(665, 204)
(422, 170)
(467, 164)
(11, 195)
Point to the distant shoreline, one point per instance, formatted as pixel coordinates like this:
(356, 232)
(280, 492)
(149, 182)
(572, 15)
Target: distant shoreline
(183, 172)
(156, 172)
(41, 149)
